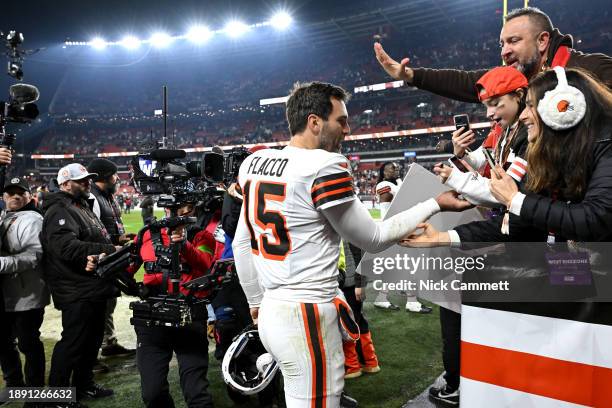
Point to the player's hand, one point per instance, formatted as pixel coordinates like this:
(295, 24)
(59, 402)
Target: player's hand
(502, 186)
(397, 70)
(450, 201)
(5, 156)
(462, 140)
(442, 171)
(254, 314)
(430, 237)
(360, 294)
(92, 262)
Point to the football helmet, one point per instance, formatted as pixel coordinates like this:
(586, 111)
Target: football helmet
(247, 367)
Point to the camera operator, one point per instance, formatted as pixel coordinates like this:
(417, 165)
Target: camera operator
(106, 209)
(24, 293)
(156, 344)
(70, 233)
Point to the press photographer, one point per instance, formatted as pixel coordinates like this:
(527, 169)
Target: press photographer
(23, 293)
(70, 233)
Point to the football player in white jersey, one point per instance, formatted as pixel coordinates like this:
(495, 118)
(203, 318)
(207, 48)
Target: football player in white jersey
(298, 202)
(389, 183)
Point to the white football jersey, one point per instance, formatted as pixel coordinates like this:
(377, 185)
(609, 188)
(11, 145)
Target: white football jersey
(388, 187)
(295, 249)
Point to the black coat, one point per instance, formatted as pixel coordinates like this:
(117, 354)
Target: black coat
(69, 234)
(110, 217)
(588, 221)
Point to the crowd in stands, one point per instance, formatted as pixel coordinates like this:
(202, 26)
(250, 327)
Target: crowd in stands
(207, 108)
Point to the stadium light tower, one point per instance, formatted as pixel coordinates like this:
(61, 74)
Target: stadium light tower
(130, 42)
(160, 40)
(199, 34)
(98, 43)
(281, 20)
(235, 28)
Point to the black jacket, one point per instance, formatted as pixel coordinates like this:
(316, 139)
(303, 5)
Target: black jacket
(230, 213)
(110, 215)
(588, 221)
(69, 234)
(461, 85)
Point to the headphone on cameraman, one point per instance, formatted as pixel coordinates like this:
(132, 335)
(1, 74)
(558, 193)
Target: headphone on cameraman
(563, 107)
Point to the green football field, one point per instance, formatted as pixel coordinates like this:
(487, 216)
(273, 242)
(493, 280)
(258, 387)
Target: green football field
(408, 346)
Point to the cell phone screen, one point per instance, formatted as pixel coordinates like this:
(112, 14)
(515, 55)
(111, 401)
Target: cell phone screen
(462, 121)
(490, 160)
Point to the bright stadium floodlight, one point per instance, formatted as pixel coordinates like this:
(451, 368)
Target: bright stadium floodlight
(198, 34)
(98, 43)
(130, 42)
(235, 28)
(160, 40)
(281, 20)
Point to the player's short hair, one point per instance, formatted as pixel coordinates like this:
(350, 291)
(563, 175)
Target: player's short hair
(311, 98)
(381, 170)
(538, 18)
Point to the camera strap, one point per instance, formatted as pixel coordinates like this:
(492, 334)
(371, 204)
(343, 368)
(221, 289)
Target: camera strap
(4, 227)
(163, 257)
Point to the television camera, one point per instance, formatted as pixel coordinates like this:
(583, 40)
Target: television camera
(160, 172)
(20, 107)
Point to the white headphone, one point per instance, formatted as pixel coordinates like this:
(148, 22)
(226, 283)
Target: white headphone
(563, 107)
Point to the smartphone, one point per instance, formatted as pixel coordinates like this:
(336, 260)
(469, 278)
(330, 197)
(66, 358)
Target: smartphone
(462, 121)
(455, 161)
(489, 157)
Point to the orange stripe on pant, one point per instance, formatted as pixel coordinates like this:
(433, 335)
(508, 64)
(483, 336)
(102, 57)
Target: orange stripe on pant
(312, 325)
(568, 381)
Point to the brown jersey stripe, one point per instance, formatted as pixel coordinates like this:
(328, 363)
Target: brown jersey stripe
(330, 183)
(335, 195)
(329, 177)
(328, 189)
(383, 190)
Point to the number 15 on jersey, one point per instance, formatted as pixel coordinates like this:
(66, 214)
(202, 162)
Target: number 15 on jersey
(266, 219)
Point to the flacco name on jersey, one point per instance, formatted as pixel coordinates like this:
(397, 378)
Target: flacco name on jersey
(267, 167)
